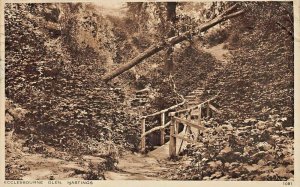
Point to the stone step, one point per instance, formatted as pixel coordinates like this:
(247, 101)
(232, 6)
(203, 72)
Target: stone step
(140, 100)
(141, 96)
(193, 103)
(197, 92)
(143, 91)
(195, 113)
(190, 96)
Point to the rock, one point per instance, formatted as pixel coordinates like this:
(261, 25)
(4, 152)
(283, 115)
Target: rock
(25, 149)
(241, 133)
(215, 164)
(227, 164)
(245, 128)
(234, 165)
(261, 125)
(251, 168)
(259, 155)
(288, 160)
(271, 129)
(250, 120)
(226, 150)
(282, 171)
(227, 127)
(25, 168)
(50, 150)
(219, 129)
(290, 129)
(255, 131)
(8, 119)
(264, 146)
(269, 156)
(261, 162)
(218, 174)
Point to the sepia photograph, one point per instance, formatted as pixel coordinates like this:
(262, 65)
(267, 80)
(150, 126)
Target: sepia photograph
(153, 90)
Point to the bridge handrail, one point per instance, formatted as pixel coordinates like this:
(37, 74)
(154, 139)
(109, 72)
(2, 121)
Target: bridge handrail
(196, 106)
(164, 125)
(165, 110)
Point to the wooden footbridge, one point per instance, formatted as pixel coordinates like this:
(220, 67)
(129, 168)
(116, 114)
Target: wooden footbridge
(178, 125)
(181, 115)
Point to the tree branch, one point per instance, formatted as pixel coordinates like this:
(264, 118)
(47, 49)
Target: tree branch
(170, 42)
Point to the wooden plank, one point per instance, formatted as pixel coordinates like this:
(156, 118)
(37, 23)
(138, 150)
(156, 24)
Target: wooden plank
(143, 138)
(184, 129)
(156, 128)
(165, 110)
(162, 130)
(197, 106)
(199, 116)
(187, 139)
(188, 109)
(189, 117)
(214, 109)
(207, 110)
(189, 123)
(172, 144)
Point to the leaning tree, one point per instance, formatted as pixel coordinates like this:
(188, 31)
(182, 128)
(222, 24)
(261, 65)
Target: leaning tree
(171, 39)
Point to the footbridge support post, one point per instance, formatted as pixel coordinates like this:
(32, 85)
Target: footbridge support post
(172, 145)
(143, 137)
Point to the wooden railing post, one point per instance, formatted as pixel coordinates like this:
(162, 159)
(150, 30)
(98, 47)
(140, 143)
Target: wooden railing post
(199, 115)
(172, 145)
(143, 138)
(162, 131)
(189, 117)
(207, 110)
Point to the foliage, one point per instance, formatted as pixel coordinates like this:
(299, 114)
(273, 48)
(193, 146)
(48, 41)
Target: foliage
(57, 53)
(68, 107)
(252, 84)
(251, 150)
(253, 137)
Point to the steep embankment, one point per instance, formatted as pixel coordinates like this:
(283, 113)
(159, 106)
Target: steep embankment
(247, 143)
(68, 108)
(253, 137)
(259, 80)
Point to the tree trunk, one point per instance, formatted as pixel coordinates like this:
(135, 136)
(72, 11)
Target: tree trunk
(171, 21)
(170, 42)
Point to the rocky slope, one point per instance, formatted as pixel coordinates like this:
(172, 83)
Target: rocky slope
(253, 137)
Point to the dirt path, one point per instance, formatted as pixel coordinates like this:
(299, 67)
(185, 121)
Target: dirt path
(29, 166)
(42, 168)
(39, 167)
(153, 166)
(137, 167)
(219, 52)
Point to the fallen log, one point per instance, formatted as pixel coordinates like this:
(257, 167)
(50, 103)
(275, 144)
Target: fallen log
(172, 41)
